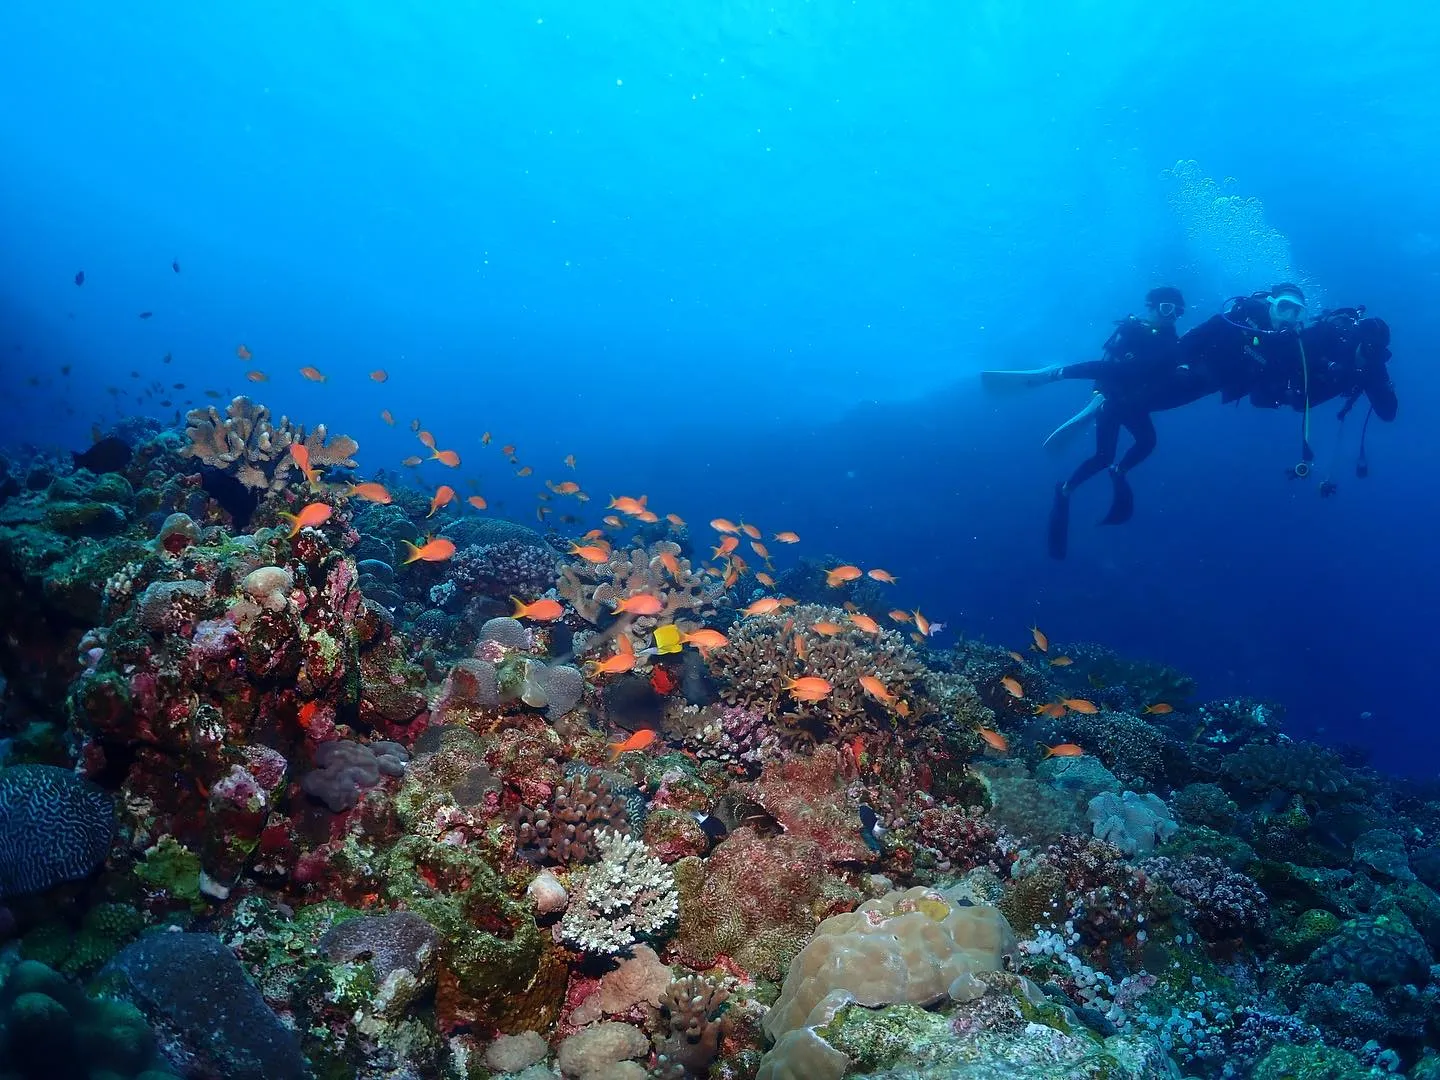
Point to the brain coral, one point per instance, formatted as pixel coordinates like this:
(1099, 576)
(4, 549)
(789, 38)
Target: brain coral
(917, 946)
(54, 827)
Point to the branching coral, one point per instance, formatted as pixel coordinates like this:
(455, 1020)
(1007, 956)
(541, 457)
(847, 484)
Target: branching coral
(568, 829)
(689, 1007)
(629, 895)
(762, 656)
(245, 442)
(595, 588)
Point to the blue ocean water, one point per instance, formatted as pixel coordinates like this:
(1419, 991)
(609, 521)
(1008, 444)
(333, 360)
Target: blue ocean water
(749, 259)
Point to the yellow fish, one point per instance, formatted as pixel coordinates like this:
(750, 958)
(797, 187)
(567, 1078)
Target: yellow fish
(667, 639)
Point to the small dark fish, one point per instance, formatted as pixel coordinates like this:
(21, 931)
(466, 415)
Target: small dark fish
(135, 374)
(64, 369)
(165, 359)
(178, 386)
(214, 394)
(167, 403)
(80, 278)
(34, 380)
(107, 455)
(175, 265)
(146, 314)
(234, 497)
(710, 825)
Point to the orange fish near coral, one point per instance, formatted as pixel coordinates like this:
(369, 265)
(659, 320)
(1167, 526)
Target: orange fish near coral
(301, 455)
(1080, 705)
(764, 606)
(750, 530)
(882, 575)
(705, 639)
(436, 549)
(1042, 643)
(639, 741)
(426, 438)
(242, 352)
(622, 661)
(565, 487)
(411, 461)
(841, 574)
(539, 610)
(613, 521)
(312, 373)
(670, 562)
(811, 688)
(375, 493)
(994, 739)
(591, 553)
(257, 376)
(1012, 686)
(1061, 661)
(724, 525)
(676, 520)
(314, 514)
(1065, 749)
(446, 457)
(865, 623)
(900, 615)
(787, 537)
(727, 544)
(639, 604)
(1159, 708)
(765, 579)
(826, 629)
(306, 714)
(1054, 710)
(444, 495)
(876, 689)
(477, 501)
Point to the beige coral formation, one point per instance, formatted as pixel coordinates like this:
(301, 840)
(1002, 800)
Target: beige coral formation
(766, 651)
(246, 442)
(594, 589)
(918, 946)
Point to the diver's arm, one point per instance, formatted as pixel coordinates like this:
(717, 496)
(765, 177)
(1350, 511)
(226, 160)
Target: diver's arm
(1086, 369)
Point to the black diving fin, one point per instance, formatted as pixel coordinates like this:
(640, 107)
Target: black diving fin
(1058, 536)
(1122, 504)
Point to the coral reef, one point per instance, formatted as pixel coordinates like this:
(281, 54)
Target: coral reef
(244, 441)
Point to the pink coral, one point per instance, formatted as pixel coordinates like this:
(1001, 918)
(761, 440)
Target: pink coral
(806, 796)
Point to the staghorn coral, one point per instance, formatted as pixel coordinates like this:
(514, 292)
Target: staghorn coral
(567, 830)
(761, 658)
(594, 588)
(628, 895)
(246, 443)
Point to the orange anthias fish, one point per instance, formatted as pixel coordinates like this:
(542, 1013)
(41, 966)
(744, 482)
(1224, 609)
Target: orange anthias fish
(764, 606)
(314, 514)
(750, 530)
(485, 439)
(591, 553)
(826, 629)
(1065, 749)
(613, 521)
(727, 544)
(444, 495)
(787, 537)
(1017, 657)
(865, 623)
(1159, 708)
(841, 574)
(426, 438)
(524, 471)
(626, 505)
(379, 375)
(994, 739)
(647, 516)
(638, 741)
(876, 689)
(676, 520)
(670, 562)
(387, 416)
(765, 579)
(811, 688)
(436, 549)
(539, 610)
(1012, 686)
(622, 661)
(724, 525)
(1080, 705)
(639, 604)
(900, 615)
(375, 493)
(242, 352)
(882, 575)
(411, 461)
(312, 373)
(446, 457)
(923, 624)
(301, 455)
(1042, 643)
(257, 376)
(759, 549)
(565, 487)
(1061, 661)
(1054, 710)
(306, 713)
(705, 639)
(477, 501)
(570, 460)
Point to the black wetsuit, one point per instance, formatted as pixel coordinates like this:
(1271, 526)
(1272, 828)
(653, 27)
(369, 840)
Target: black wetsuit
(1336, 364)
(1140, 358)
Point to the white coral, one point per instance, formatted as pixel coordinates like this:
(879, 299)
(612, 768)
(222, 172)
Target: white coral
(629, 895)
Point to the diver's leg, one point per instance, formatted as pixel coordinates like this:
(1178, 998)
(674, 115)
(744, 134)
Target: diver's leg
(1107, 437)
(1122, 500)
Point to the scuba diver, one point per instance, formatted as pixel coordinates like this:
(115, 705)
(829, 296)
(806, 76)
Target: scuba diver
(1342, 354)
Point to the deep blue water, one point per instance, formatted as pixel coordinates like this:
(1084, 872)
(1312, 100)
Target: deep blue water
(748, 258)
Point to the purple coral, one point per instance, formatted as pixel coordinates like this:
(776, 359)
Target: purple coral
(1221, 903)
(736, 736)
(345, 768)
(505, 568)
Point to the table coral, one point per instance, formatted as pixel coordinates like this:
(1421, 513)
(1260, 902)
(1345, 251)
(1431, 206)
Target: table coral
(247, 443)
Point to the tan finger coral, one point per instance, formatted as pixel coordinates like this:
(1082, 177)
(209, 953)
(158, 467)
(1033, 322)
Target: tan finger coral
(595, 588)
(246, 442)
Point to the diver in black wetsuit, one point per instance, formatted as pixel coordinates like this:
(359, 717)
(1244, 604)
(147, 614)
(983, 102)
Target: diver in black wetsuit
(1140, 355)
